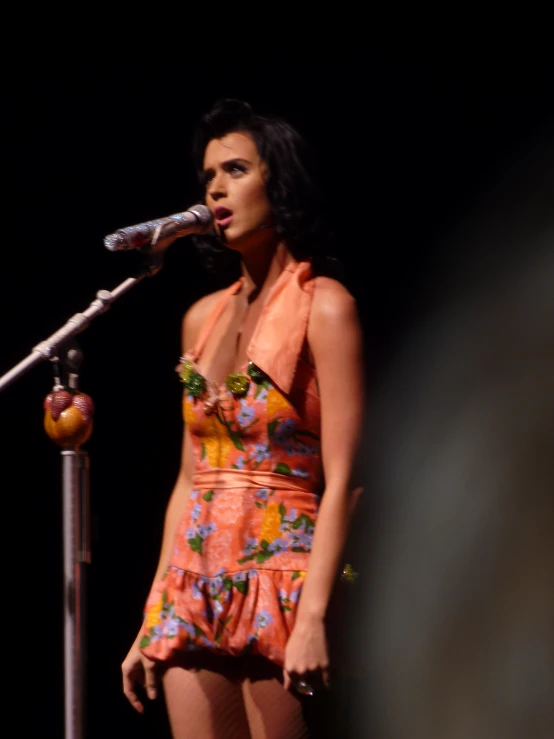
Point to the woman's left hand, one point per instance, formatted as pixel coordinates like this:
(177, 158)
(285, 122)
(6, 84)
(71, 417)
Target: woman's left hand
(307, 657)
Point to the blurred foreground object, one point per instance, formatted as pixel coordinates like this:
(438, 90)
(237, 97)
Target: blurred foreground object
(455, 635)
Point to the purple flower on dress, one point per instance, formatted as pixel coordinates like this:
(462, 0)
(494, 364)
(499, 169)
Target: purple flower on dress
(215, 585)
(300, 539)
(239, 463)
(245, 415)
(263, 619)
(284, 431)
(251, 546)
(239, 576)
(290, 516)
(262, 494)
(194, 494)
(277, 545)
(195, 513)
(289, 448)
(191, 533)
(261, 452)
(172, 627)
(204, 531)
(300, 472)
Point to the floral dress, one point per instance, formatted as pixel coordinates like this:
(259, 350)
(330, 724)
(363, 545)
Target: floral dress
(241, 549)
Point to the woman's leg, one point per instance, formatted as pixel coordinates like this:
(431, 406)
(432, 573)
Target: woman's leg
(273, 712)
(204, 698)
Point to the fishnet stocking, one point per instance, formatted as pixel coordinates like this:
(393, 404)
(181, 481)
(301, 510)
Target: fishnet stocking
(273, 713)
(213, 697)
(205, 702)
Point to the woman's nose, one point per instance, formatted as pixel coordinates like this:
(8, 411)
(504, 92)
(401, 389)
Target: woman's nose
(216, 188)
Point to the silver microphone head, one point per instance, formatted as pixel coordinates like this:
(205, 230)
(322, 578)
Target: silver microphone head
(196, 220)
(203, 213)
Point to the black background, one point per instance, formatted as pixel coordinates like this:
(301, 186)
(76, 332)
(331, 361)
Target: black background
(408, 141)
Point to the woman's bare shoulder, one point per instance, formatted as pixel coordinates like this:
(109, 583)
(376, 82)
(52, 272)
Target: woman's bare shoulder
(196, 315)
(332, 301)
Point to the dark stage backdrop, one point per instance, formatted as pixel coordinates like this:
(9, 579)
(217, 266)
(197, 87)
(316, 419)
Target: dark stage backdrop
(407, 146)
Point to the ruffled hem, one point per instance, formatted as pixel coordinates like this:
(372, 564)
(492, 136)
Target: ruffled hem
(245, 612)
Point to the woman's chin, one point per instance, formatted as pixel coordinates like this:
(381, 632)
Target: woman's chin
(243, 241)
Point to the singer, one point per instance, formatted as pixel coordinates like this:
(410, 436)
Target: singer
(236, 626)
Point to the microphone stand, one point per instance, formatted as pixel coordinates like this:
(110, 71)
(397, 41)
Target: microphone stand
(69, 432)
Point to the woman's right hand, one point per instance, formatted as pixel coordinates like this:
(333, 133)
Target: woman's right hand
(138, 670)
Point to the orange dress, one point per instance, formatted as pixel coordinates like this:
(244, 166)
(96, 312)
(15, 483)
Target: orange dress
(242, 547)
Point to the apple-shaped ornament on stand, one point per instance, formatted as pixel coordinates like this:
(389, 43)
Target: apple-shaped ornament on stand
(68, 417)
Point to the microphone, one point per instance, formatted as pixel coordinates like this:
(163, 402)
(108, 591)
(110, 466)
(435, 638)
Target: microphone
(196, 220)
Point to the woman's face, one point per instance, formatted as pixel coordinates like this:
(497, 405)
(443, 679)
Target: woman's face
(235, 178)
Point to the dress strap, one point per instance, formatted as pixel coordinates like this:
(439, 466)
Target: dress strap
(213, 317)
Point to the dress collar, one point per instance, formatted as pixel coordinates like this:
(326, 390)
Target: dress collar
(279, 335)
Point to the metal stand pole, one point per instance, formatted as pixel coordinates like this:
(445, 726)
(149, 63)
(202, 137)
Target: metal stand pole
(69, 433)
(76, 554)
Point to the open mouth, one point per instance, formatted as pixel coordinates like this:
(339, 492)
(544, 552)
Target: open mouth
(223, 216)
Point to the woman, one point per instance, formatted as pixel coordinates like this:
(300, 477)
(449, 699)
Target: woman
(273, 380)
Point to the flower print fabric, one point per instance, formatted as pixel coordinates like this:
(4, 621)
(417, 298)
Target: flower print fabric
(241, 550)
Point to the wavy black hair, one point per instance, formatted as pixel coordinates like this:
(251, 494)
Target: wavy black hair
(292, 187)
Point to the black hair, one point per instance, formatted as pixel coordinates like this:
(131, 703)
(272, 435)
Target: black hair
(292, 189)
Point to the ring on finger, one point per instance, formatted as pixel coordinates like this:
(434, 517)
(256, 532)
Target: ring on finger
(304, 688)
